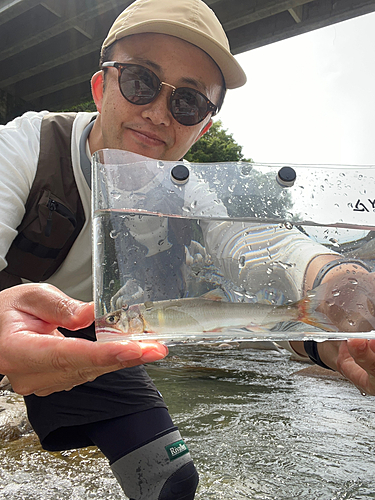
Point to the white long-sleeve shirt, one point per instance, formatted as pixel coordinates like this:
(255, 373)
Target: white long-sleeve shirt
(19, 152)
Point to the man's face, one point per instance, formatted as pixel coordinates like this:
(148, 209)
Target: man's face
(150, 129)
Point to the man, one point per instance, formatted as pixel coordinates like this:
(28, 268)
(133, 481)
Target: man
(121, 412)
(182, 50)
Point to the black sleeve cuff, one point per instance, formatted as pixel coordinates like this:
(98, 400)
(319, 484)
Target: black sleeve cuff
(334, 263)
(311, 348)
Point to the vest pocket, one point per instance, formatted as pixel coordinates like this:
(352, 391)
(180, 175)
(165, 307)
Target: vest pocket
(53, 225)
(57, 213)
(37, 250)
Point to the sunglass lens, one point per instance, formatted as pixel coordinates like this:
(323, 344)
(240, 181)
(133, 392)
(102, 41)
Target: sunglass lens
(138, 85)
(188, 106)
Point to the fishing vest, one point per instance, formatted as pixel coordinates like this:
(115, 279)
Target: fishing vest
(54, 213)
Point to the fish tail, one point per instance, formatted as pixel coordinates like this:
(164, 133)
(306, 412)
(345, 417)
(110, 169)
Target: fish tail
(307, 313)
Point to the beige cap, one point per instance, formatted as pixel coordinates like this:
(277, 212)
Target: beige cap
(190, 20)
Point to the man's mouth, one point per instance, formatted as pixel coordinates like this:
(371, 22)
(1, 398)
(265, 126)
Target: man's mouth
(148, 138)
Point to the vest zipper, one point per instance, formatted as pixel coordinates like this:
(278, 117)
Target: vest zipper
(53, 206)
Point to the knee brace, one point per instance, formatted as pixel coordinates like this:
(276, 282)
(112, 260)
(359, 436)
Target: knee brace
(159, 470)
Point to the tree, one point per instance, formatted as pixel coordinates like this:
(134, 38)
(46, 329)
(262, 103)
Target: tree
(246, 189)
(215, 146)
(88, 106)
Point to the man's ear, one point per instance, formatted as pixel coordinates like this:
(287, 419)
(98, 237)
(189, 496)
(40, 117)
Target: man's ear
(97, 84)
(205, 129)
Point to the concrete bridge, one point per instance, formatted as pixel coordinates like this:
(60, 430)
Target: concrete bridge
(49, 49)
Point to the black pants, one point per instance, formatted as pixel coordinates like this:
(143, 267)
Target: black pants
(57, 418)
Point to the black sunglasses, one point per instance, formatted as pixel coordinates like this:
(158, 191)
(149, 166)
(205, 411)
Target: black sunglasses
(139, 85)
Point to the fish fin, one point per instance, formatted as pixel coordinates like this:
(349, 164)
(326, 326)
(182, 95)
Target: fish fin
(215, 330)
(218, 295)
(252, 327)
(308, 314)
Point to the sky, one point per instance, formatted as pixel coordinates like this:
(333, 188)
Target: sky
(308, 99)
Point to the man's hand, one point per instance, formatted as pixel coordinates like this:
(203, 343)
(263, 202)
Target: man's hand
(353, 358)
(356, 361)
(348, 300)
(38, 359)
(350, 304)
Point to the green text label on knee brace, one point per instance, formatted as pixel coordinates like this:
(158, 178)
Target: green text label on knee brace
(176, 449)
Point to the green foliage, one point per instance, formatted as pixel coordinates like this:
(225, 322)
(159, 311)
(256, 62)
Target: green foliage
(245, 190)
(88, 106)
(215, 146)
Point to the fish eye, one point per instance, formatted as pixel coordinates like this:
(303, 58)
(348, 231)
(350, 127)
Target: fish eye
(125, 307)
(112, 319)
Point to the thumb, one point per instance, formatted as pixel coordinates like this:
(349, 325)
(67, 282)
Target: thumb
(40, 301)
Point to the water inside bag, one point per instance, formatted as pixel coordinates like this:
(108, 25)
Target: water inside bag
(220, 255)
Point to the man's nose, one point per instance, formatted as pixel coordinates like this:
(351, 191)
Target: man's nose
(158, 111)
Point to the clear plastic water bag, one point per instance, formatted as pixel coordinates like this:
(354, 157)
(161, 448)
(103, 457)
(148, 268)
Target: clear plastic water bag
(187, 252)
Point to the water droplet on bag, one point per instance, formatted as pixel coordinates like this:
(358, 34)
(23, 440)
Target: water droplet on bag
(334, 242)
(246, 169)
(114, 234)
(116, 195)
(242, 261)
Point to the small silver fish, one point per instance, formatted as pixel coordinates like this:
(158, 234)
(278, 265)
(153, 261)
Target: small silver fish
(209, 316)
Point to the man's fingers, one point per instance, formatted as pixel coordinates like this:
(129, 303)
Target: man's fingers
(362, 351)
(356, 361)
(48, 304)
(46, 353)
(61, 363)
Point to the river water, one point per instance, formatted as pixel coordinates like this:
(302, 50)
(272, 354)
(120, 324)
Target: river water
(256, 428)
